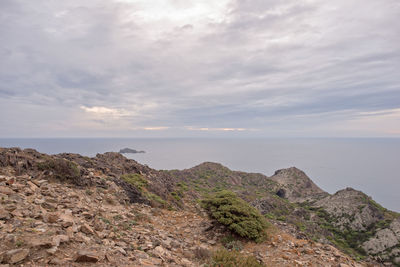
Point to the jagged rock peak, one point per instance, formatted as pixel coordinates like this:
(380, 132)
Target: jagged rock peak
(296, 186)
(290, 170)
(209, 165)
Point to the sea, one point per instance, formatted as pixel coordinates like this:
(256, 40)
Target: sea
(371, 165)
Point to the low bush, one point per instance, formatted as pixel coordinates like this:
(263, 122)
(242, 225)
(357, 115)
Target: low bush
(232, 243)
(62, 169)
(202, 253)
(236, 214)
(225, 258)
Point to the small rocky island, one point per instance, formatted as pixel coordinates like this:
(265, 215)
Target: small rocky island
(130, 151)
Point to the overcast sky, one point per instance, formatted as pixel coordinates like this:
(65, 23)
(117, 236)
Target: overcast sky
(154, 68)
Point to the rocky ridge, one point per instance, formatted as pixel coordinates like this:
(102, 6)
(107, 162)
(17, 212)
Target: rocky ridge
(69, 210)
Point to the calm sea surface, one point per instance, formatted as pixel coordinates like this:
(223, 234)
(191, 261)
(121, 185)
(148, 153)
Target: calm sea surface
(370, 165)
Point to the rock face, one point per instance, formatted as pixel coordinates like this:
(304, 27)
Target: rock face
(385, 242)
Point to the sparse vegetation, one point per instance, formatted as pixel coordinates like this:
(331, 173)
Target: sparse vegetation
(176, 196)
(225, 258)
(136, 180)
(236, 214)
(202, 253)
(62, 169)
(232, 243)
(156, 198)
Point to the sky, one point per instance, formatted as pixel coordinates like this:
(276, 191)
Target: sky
(169, 68)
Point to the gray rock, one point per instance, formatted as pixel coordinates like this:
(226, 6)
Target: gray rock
(382, 240)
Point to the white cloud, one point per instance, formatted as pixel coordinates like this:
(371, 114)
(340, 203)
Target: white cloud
(155, 128)
(96, 110)
(190, 128)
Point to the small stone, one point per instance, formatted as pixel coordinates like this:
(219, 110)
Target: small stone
(85, 228)
(52, 217)
(49, 206)
(52, 250)
(16, 255)
(39, 201)
(86, 256)
(121, 250)
(187, 254)
(140, 254)
(159, 251)
(6, 190)
(186, 262)
(40, 242)
(4, 215)
(212, 242)
(10, 208)
(32, 186)
(58, 239)
(57, 261)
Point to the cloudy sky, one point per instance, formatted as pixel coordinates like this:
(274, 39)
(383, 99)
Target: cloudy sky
(127, 68)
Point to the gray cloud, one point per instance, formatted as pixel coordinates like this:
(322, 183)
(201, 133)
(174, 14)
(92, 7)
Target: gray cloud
(276, 67)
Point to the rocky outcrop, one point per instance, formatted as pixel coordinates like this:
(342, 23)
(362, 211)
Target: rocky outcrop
(377, 229)
(386, 242)
(351, 208)
(84, 171)
(296, 186)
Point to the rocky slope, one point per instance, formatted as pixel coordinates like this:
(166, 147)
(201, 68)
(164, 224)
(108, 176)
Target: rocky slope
(348, 219)
(372, 229)
(70, 210)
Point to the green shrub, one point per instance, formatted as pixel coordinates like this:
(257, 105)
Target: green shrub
(236, 214)
(227, 258)
(135, 179)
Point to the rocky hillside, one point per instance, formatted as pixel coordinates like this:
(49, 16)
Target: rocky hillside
(70, 210)
(348, 219)
(368, 227)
